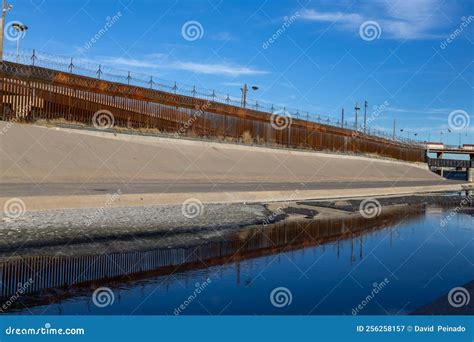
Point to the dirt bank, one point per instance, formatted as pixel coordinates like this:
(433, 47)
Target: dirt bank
(108, 230)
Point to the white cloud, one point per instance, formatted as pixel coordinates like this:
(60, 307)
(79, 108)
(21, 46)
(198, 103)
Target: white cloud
(224, 69)
(332, 16)
(424, 111)
(233, 84)
(128, 62)
(405, 19)
(216, 69)
(157, 55)
(223, 37)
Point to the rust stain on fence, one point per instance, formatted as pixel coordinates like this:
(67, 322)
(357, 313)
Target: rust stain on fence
(30, 93)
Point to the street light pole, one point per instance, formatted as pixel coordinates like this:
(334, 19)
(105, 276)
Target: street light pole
(356, 108)
(2, 27)
(20, 28)
(244, 90)
(5, 9)
(365, 116)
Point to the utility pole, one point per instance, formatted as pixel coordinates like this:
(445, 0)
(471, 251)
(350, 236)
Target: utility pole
(356, 108)
(244, 95)
(394, 125)
(5, 9)
(365, 116)
(342, 118)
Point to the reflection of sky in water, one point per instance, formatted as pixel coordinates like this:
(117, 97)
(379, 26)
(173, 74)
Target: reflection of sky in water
(421, 260)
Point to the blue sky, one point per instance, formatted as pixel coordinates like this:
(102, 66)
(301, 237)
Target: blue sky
(310, 55)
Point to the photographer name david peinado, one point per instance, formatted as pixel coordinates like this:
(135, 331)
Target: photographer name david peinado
(411, 328)
(439, 328)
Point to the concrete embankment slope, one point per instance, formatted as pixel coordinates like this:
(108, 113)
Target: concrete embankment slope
(31, 153)
(45, 157)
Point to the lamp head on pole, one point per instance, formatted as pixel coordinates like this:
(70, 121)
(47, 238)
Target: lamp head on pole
(8, 8)
(20, 27)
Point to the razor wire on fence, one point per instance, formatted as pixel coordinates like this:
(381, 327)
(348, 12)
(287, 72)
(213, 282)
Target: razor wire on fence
(87, 68)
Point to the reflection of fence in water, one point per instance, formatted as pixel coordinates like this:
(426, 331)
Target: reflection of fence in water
(60, 271)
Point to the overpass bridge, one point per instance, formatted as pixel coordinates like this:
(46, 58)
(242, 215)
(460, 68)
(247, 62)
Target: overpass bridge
(440, 162)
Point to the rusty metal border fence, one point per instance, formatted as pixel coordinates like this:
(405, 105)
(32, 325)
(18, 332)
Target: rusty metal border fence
(31, 92)
(90, 69)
